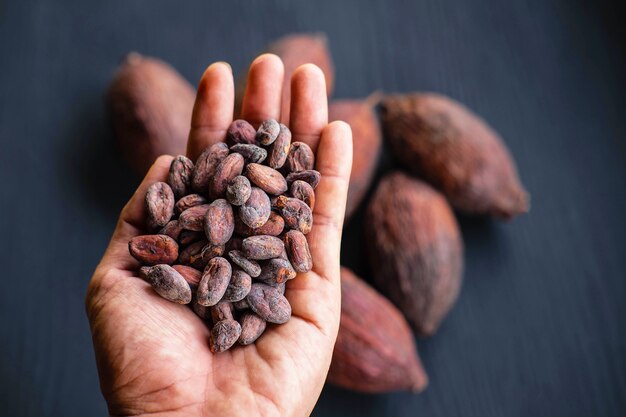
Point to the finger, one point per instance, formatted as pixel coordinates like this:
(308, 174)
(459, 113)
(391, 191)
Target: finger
(213, 109)
(263, 89)
(309, 105)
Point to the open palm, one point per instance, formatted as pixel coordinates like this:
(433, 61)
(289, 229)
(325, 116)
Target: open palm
(153, 355)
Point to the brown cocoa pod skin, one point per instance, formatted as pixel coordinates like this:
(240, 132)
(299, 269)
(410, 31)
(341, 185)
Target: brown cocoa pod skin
(251, 153)
(375, 351)
(193, 218)
(188, 202)
(252, 327)
(149, 105)
(262, 247)
(310, 176)
(191, 275)
(238, 287)
(276, 271)
(171, 229)
(268, 132)
(214, 281)
(192, 255)
(366, 145)
(266, 178)
(256, 211)
(238, 191)
(219, 222)
(296, 213)
(273, 226)
(159, 204)
(240, 131)
(415, 250)
(300, 158)
(268, 303)
(298, 251)
(169, 284)
(226, 171)
(303, 191)
(251, 267)
(153, 249)
(445, 143)
(179, 177)
(222, 311)
(223, 335)
(206, 165)
(188, 237)
(280, 148)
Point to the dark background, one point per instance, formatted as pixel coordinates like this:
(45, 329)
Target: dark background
(540, 328)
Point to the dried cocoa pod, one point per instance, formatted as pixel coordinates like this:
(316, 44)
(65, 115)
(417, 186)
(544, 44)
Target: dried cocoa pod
(280, 148)
(159, 204)
(153, 249)
(267, 133)
(240, 131)
(252, 327)
(206, 165)
(188, 237)
(191, 275)
(277, 271)
(179, 178)
(252, 268)
(296, 213)
(214, 281)
(238, 191)
(262, 247)
(375, 351)
(310, 176)
(415, 250)
(251, 153)
(222, 311)
(298, 251)
(303, 191)
(149, 105)
(273, 226)
(171, 229)
(219, 222)
(238, 287)
(444, 142)
(300, 158)
(366, 144)
(188, 202)
(228, 169)
(268, 303)
(193, 218)
(169, 284)
(192, 255)
(266, 178)
(256, 210)
(223, 335)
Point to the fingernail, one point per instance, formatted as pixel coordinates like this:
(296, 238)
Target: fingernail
(225, 64)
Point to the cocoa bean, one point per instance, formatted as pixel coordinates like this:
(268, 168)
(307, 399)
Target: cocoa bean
(191, 275)
(219, 222)
(187, 237)
(169, 284)
(262, 247)
(225, 172)
(223, 335)
(251, 153)
(273, 226)
(277, 271)
(303, 191)
(200, 310)
(296, 213)
(238, 191)
(214, 281)
(241, 305)
(310, 176)
(252, 268)
(179, 178)
(192, 255)
(256, 210)
(193, 218)
(143, 272)
(240, 131)
(268, 303)
(267, 133)
(153, 249)
(280, 148)
(238, 287)
(298, 251)
(300, 158)
(266, 178)
(222, 311)
(171, 229)
(252, 327)
(206, 165)
(188, 202)
(159, 204)
(234, 243)
(210, 251)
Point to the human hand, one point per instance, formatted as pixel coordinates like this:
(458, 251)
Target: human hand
(153, 355)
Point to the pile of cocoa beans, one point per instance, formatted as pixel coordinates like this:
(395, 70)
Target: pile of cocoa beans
(230, 230)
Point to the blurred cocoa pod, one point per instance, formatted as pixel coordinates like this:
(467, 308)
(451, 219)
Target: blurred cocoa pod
(443, 142)
(375, 350)
(415, 249)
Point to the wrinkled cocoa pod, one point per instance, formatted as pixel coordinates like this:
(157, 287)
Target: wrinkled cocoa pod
(300, 158)
(240, 131)
(239, 286)
(223, 335)
(268, 303)
(266, 178)
(193, 218)
(222, 311)
(169, 284)
(252, 327)
(192, 255)
(252, 268)
(297, 213)
(256, 210)
(277, 271)
(188, 202)
(298, 251)
(262, 247)
(366, 144)
(206, 165)
(238, 191)
(444, 142)
(172, 229)
(191, 275)
(268, 132)
(375, 351)
(280, 148)
(219, 222)
(187, 237)
(159, 204)
(273, 226)
(179, 178)
(310, 176)
(251, 153)
(214, 281)
(149, 105)
(153, 249)
(225, 172)
(303, 191)
(415, 249)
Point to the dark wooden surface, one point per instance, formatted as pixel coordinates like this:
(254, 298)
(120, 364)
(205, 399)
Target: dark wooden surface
(540, 328)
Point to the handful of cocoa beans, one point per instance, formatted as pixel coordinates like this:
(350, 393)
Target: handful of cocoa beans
(229, 230)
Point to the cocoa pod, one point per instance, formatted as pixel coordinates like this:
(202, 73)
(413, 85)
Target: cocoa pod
(159, 204)
(149, 105)
(303, 191)
(188, 202)
(222, 311)
(268, 132)
(252, 327)
(238, 191)
(273, 226)
(252, 268)
(366, 144)
(171, 229)
(193, 218)
(219, 222)
(191, 275)
(206, 165)
(240, 131)
(251, 153)
(280, 148)
(169, 284)
(256, 210)
(310, 176)
(225, 172)
(238, 287)
(298, 251)
(296, 213)
(188, 237)
(277, 271)
(262, 247)
(266, 178)
(223, 335)
(444, 142)
(153, 249)
(300, 158)
(415, 249)
(374, 351)
(268, 303)
(214, 281)
(179, 177)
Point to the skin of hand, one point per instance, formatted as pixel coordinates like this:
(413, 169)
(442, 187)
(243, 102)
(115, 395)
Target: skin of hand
(152, 355)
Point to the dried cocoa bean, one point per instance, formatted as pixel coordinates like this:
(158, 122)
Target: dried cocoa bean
(210, 251)
(239, 286)
(280, 148)
(153, 249)
(192, 255)
(266, 178)
(303, 191)
(222, 311)
(298, 251)
(159, 204)
(214, 281)
(171, 229)
(188, 202)
(143, 272)
(169, 284)
(191, 275)
(296, 213)
(256, 210)
(188, 237)
(223, 335)
(251, 153)
(252, 327)
(240, 131)
(181, 172)
(277, 271)
(267, 132)
(238, 191)
(273, 226)
(252, 268)
(268, 303)
(310, 176)
(200, 310)
(234, 243)
(219, 222)
(206, 165)
(262, 247)
(193, 218)
(241, 305)
(225, 172)
(300, 158)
